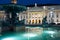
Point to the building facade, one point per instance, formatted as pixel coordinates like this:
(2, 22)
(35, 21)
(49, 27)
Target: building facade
(22, 16)
(53, 14)
(33, 15)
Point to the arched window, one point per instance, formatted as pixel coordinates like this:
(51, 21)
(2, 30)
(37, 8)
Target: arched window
(36, 21)
(29, 21)
(32, 21)
(39, 21)
(57, 20)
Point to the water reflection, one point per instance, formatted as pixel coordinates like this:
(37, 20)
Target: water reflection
(33, 33)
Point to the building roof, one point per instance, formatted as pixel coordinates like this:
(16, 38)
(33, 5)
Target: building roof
(35, 8)
(57, 7)
(42, 5)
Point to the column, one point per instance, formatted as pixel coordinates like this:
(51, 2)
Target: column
(41, 21)
(34, 21)
(27, 21)
(37, 21)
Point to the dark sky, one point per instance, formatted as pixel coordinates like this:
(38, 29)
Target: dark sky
(28, 2)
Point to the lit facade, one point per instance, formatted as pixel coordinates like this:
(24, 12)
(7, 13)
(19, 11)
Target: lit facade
(53, 14)
(22, 16)
(33, 15)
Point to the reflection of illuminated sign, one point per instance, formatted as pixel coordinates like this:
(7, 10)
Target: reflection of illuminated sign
(37, 30)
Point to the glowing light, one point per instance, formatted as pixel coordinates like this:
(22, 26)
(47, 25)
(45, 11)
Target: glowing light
(35, 4)
(30, 35)
(51, 11)
(44, 7)
(52, 36)
(8, 38)
(50, 32)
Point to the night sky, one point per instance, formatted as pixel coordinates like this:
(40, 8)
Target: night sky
(28, 2)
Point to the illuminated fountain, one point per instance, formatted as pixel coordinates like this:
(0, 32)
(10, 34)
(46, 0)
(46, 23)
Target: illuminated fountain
(11, 10)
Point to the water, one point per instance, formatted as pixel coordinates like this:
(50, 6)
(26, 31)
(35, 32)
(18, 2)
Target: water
(31, 33)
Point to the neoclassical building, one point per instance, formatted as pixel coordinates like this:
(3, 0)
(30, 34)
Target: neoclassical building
(53, 14)
(33, 15)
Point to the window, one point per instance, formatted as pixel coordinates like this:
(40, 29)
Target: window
(29, 16)
(29, 21)
(36, 21)
(57, 20)
(35, 17)
(39, 21)
(32, 21)
(57, 15)
(32, 17)
(49, 20)
(39, 17)
(52, 20)
(32, 14)
(51, 14)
